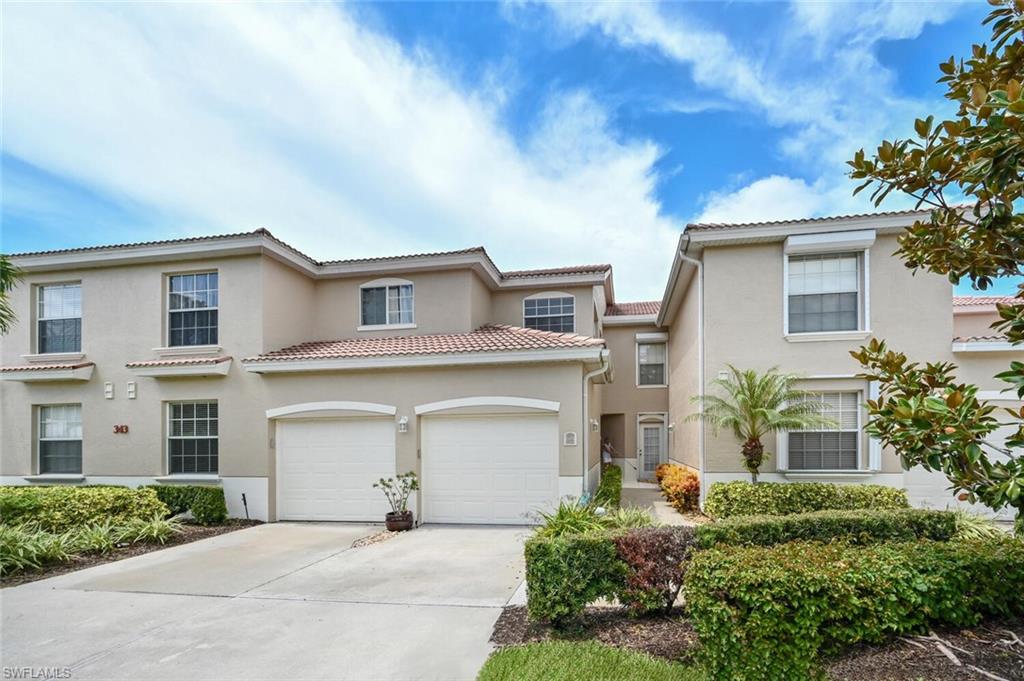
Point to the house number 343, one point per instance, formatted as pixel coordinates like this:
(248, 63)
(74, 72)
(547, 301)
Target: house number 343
(121, 429)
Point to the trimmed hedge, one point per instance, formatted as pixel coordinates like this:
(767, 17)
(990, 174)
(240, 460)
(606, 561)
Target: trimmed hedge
(609, 491)
(727, 499)
(857, 527)
(64, 507)
(680, 486)
(206, 502)
(656, 560)
(765, 613)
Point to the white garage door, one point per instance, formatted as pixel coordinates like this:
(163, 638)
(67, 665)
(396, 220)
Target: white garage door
(488, 469)
(326, 468)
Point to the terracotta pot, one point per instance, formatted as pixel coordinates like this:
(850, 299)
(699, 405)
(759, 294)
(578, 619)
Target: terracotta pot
(398, 522)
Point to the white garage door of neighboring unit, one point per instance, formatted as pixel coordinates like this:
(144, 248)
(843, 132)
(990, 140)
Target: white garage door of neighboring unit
(488, 469)
(326, 468)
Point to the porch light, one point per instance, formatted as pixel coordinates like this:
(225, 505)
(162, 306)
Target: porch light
(403, 424)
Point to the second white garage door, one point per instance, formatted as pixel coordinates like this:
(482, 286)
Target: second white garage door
(488, 469)
(326, 468)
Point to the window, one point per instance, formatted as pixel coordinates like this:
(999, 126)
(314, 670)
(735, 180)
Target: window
(386, 305)
(650, 359)
(60, 438)
(824, 293)
(834, 449)
(192, 437)
(60, 318)
(550, 314)
(193, 309)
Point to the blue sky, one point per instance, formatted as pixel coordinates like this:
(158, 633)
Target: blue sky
(549, 133)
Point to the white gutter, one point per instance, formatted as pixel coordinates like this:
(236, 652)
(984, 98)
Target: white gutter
(700, 360)
(585, 433)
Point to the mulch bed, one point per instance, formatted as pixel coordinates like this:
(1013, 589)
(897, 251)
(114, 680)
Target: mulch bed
(990, 647)
(189, 533)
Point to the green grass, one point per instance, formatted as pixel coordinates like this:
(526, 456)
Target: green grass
(586, 661)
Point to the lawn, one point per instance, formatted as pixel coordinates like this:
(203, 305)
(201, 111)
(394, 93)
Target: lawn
(585, 661)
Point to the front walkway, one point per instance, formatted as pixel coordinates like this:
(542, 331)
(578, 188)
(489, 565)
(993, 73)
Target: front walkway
(648, 496)
(278, 601)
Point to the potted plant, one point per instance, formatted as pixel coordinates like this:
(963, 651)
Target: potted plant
(397, 491)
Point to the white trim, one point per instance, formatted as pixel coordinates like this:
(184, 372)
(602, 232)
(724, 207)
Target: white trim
(983, 346)
(188, 350)
(570, 486)
(168, 311)
(55, 477)
(180, 478)
(630, 320)
(859, 474)
(874, 444)
(880, 224)
(1009, 395)
(46, 375)
(37, 312)
(216, 369)
(387, 283)
(305, 407)
(650, 418)
(830, 242)
(863, 329)
(782, 442)
(866, 285)
(816, 336)
(550, 295)
(649, 339)
(47, 357)
(657, 337)
(384, 327)
(447, 359)
(487, 401)
(168, 407)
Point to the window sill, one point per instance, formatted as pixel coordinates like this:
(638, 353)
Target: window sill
(187, 477)
(653, 385)
(48, 357)
(56, 477)
(827, 336)
(384, 327)
(834, 474)
(187, 350)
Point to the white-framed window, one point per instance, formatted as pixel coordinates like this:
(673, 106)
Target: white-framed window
(60, 438)
(651, 357)
(193, 309)
(824, 292)
(386, 302)
(59, 318)
(192, 429)
(550, 312)
(829, 449)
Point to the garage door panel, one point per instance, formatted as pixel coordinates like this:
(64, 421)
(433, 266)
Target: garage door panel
(489, 469)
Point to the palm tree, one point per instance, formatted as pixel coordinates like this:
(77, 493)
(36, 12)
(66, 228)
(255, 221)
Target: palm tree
(755, 405)
(9, 277)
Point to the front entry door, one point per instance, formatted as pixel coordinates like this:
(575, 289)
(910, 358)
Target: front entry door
(652, 448)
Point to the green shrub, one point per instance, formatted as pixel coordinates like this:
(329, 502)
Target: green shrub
(26, 548)
(656, 558)
(609, 492)
(156, 530)
(206, 502)
(971, 526)
(765, 613)
(680, 486)
(727, 499)
(95, 538)
(565, 573)
(60, 508)
(571, 517)
(859, 527)
(627, 518)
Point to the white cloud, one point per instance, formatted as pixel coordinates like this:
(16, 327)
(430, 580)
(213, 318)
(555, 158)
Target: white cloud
(776, 197)
(296, 118)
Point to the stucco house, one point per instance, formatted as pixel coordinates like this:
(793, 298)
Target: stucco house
(295, 383)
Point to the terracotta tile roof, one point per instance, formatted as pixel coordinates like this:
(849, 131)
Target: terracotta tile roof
(179, 362)
(965, 301)
(391, 258)
(47, 367)
(995, 338)
(703, 226)
(555, 271)
(643, 307)
(488, 338)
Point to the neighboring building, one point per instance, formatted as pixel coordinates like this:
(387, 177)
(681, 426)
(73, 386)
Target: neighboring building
(237, 360)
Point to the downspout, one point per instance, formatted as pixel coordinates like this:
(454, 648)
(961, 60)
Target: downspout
(585, 433)
(700, 358)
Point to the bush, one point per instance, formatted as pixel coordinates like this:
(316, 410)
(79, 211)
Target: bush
(571, 517)
(727, 499)
(25, 548)
(156, 530)
(64, 507)
(656, 558)
(565, 573)
(680, 486)
(765, 613)
(661, 470)
(94, 538)
(609, 492)
(206, 502)
(971, 526)
(859, 527)
(627, 518)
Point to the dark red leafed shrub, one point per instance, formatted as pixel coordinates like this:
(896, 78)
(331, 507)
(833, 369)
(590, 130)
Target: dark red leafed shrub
(656, 558)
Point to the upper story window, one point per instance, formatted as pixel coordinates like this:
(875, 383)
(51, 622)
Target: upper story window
(650, 363)
(59, 318)
(824, 292)
(192, 309)
(833, 449)
(60, 439)
(550, 312)
(386, 303)
(192, 444)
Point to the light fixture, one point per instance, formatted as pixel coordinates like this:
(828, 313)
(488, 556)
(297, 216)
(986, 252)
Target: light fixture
(403, 424)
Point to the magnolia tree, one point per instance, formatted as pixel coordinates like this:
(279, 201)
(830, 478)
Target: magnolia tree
(969, 170)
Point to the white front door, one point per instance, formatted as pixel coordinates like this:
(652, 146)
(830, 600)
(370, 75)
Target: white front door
(493, 469)
(326, 468)
(652, 448)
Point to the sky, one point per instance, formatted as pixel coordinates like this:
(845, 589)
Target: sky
(550, 133)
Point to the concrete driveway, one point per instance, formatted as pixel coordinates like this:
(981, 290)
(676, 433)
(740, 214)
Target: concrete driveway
(280, 601)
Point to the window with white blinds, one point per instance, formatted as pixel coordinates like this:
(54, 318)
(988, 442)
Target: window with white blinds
(829, 449)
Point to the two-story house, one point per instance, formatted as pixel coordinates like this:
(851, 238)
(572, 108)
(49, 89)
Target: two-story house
(295, 383)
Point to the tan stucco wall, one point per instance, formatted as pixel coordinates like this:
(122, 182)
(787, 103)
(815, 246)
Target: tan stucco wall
(975, 324)
(480, 302)
(684, 377)
(289, 306)
(507, 306)
(623, 396)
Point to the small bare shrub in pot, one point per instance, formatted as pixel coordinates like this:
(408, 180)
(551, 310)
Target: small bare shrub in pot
(397, 491)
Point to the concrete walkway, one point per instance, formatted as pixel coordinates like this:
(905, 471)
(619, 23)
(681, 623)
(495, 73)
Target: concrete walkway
(279, 601)
(648, 496)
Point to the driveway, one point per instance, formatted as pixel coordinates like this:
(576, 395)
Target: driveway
(278, 601)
